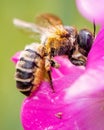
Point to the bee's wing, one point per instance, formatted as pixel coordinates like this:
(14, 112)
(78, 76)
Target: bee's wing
(31, 28)
(46, 20)
(40, 27)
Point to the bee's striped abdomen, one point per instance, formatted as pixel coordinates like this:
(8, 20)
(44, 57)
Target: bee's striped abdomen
(26, 68)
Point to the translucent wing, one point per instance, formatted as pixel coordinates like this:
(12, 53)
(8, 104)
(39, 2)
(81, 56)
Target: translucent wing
(46, 20)
(31, 28)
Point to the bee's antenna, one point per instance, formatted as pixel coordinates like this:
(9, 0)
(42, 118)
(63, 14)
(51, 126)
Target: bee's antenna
(94, 27)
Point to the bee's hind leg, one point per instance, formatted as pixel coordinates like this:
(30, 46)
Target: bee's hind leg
(48, 64)
(55, 65)
(50, 80)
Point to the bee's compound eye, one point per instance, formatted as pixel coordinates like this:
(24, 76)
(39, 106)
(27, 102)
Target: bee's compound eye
(85, 39)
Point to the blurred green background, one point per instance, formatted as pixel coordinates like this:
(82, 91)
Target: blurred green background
(12, 40)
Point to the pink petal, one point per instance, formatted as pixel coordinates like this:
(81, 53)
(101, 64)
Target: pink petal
(92, 10)
(15, 58)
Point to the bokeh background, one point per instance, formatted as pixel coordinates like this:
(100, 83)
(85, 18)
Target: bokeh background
(12, 40)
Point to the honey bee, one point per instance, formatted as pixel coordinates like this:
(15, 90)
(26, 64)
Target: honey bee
(55, 39)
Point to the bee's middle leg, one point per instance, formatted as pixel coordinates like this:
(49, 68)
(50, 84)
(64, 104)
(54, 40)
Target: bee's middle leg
(50, 62)
(54, 63)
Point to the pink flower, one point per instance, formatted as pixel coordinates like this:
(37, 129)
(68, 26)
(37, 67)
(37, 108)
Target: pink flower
(92, 10)
(78, 101)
